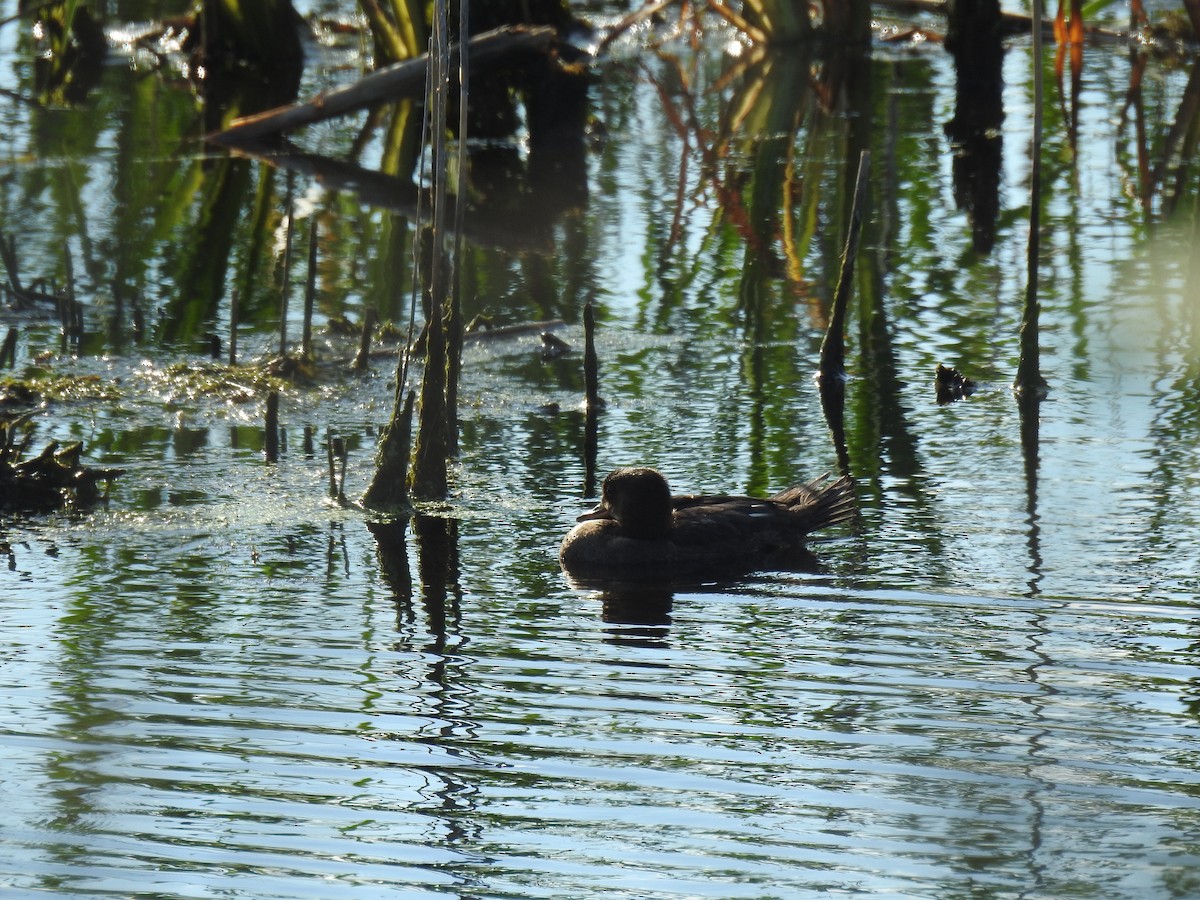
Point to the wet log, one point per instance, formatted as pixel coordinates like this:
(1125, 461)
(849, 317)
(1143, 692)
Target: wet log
(484, 50)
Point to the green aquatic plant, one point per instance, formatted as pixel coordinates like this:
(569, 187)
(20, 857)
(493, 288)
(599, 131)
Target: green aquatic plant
(398, 29)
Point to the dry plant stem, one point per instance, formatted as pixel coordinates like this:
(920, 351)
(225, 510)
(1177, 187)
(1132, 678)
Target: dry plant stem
(271, 450)
(343, 456)
(833, 347)
(287, 267)
(333, 489)
(430, 457)
(233, 326)
(363, 357)
(1029, 377)
(591, 364)
(310, 292)
(454, 323)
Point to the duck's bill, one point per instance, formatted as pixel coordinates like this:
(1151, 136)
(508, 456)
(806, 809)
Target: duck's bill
(600, 512)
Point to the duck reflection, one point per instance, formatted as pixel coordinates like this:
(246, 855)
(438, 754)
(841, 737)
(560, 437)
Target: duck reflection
(637, 605)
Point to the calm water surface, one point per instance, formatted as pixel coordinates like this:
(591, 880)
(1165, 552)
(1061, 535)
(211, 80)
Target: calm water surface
(221, 684)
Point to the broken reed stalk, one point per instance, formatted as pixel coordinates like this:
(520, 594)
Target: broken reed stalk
(591, 363)
(454, 323)
(337, 453)
(310, 292)
(833, 346)
(70, 270)
(233, 327)
(388, 491)
(8, 353)
(73, 307)
(592, 402)
(329, 459)
(364, 342)
(271, 448)
(430, 479)
(1029, 380)
(287, 272)
(342, 452)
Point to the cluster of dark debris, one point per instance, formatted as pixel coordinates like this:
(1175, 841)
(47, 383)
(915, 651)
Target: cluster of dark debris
(52, 479)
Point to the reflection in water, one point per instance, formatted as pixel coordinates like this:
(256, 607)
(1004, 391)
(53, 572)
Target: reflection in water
(436, 540)
(636, 605)
(391, 549)
(450, 790)
(1029, 404)
(323, 716)
(975, 129)
(437, 568)
(1039, 768)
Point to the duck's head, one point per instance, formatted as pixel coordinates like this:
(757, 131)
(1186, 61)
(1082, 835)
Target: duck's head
(639, 499)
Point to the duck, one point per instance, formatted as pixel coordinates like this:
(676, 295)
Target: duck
(639, 532)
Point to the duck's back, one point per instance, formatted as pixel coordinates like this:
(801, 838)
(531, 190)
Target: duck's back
(711, 535)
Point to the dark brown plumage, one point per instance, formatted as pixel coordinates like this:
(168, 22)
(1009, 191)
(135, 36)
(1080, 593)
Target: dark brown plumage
(639, 532)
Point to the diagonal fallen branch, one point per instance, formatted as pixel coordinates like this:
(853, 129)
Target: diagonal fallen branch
(484, 50)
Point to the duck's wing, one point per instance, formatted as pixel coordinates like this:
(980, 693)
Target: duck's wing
(802, 508)
(725, 513)
(682, 502)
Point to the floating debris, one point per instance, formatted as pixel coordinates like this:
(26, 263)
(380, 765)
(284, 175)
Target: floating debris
(54, 479)
(952, 385)
(553, 346)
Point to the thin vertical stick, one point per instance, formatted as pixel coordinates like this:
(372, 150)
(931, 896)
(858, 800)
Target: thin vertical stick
(833, 347)
(431, 452)
(593, 404)
(287, 271)
(8, 354)
(454, 324)
(1029, 376)
(70, 273)
(363, 357)
(271, 450)
(233, 326)
(333, 489)
(343, 455)
(591, 363)
(310, 291)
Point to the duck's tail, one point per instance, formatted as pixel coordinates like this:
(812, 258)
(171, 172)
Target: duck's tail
(821, 502)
